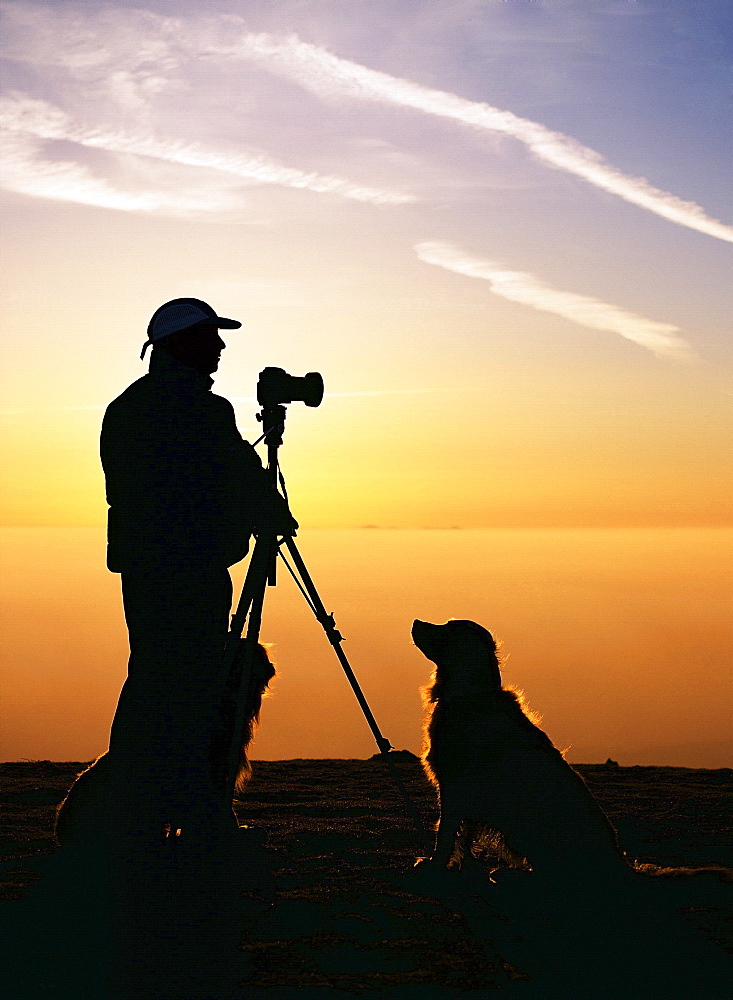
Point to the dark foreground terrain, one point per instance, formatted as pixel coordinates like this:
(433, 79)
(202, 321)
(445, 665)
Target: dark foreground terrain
(320, 899)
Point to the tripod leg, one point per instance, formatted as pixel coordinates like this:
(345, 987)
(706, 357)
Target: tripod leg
(255, 581)
(335, 638)
(252, 601)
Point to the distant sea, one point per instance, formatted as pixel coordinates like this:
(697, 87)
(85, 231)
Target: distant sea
(621, 639)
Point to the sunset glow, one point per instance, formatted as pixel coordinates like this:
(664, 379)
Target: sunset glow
(501, 232)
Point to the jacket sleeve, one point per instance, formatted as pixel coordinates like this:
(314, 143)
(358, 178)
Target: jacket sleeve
(184, 489)
(251, 496)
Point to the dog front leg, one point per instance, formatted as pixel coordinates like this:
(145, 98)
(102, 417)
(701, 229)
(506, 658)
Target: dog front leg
(445, 835)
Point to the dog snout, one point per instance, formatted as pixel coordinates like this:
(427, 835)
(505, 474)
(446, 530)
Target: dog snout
(419, 628)
(424, 635)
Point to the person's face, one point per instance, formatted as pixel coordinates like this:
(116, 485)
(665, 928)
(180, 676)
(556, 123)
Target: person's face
(199, 348)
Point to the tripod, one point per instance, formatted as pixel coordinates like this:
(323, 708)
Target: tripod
(261, 573)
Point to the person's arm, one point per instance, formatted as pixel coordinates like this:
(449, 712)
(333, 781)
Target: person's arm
(252, 487)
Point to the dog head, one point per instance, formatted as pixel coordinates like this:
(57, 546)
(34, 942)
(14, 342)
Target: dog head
(262, 673)
(459, 645)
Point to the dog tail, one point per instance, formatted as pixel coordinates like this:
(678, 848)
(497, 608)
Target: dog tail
(660, 871)
(70, 811)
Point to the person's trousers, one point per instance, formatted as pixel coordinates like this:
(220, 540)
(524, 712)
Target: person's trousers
(169, 707)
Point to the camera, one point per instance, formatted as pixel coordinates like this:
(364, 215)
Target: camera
(275, 386)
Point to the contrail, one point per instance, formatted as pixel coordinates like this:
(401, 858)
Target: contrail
(250, 399)
(329, 76)
(22, 114)
(660, 338)
(52, 409)
(364, 392)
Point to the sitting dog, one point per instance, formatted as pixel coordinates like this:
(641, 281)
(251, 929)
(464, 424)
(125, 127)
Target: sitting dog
(82, 818)
(497, 774)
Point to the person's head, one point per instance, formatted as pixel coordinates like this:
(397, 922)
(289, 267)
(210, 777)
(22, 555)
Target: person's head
(197, 346)
(188, 329)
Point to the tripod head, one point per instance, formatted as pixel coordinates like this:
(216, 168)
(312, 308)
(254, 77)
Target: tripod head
(274, 388)
(272, 419)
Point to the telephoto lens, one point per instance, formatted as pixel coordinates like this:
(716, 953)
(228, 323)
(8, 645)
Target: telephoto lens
(275, 386)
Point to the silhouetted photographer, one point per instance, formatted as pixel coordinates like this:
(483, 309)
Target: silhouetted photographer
(185, 494)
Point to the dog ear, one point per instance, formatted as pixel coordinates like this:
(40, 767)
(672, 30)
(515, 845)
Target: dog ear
(477, 629)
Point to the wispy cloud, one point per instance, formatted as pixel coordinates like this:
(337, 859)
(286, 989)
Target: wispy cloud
(27, 116)
(331, 77)
(662, 339)
(130, 58)
(25, 169)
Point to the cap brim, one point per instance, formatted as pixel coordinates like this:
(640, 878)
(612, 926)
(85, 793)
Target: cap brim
(227, 324)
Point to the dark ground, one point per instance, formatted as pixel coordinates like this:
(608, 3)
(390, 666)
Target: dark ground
(320, 900)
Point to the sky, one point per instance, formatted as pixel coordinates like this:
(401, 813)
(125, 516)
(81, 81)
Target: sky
(499, 228)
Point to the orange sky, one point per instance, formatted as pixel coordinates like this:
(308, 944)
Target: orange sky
(619, 638)
(523, 453)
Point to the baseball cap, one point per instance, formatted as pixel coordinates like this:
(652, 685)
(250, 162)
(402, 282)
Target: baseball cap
(180, 314)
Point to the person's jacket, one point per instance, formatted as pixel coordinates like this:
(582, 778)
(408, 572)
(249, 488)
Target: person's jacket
(185, 491)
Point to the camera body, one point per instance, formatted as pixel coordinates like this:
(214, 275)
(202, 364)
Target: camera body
(275, 387)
